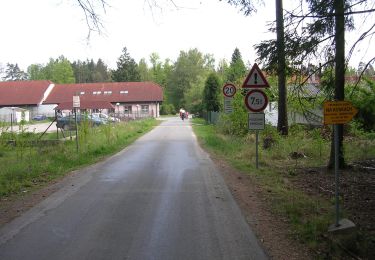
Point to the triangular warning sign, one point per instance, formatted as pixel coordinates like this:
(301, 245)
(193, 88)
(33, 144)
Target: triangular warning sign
(255, 79)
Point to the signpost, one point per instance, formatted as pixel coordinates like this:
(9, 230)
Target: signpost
(256, 101)
(336, 113)
(256, 121)
(229, 90)
(76, 104)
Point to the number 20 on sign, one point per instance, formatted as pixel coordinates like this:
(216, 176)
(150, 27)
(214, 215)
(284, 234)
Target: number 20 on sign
(229, 90)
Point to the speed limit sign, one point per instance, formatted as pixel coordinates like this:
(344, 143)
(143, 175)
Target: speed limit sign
(256, 100)
(229, 90)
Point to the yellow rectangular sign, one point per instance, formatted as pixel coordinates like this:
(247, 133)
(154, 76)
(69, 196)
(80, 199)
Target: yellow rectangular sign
(338, 112)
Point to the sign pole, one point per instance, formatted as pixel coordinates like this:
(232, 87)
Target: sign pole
(75, 113)
(337, 113)
(256, 149)
(336, 144)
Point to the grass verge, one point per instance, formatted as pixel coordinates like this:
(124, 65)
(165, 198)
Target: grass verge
(27, 166)
(309, 216)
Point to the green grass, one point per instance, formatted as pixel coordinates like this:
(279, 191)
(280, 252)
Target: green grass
(309, 217)
(27, 167)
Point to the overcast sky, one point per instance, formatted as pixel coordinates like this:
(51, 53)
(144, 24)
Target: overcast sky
(34, 31)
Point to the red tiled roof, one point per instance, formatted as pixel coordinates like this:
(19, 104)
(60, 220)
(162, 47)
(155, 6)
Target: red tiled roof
(14, 93)
(113, 92)
(86, 105)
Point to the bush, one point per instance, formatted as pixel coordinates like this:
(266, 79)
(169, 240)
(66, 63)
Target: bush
(167, 109)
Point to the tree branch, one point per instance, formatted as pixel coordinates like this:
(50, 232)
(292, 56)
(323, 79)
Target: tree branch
(361, 75)
(332, 15)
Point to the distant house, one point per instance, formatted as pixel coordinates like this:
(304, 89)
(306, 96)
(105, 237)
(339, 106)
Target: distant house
(28, 95)
(133, 99)
(14, 114)
(308, 91)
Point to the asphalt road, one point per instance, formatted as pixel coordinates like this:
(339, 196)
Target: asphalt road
(160, 198)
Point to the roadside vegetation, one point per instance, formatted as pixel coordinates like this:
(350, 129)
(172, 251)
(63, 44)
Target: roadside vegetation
(283, 163)
(31, 162)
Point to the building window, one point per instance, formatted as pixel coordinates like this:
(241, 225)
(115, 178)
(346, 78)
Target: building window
(96, 92)
(108, 92)
(82, 93)
(127, 109)
(144, 109)
(124, 92)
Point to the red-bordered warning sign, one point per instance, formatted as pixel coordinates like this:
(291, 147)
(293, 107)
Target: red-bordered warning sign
(255, 79)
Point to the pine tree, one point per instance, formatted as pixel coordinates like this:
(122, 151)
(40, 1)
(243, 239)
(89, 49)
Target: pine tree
(127, 68)
(211, 93)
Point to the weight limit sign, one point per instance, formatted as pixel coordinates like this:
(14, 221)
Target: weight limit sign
(256, 100)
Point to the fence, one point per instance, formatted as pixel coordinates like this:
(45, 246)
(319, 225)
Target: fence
(211, 117)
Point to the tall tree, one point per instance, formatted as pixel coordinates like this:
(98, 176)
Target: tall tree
(36, 72)
(211, 93)
(101, 72)
(158, 73)
(144, 71)
(127, 68)
(282, 117)
(237, 69)
(189, 71)
(59, 71)
(14, 73)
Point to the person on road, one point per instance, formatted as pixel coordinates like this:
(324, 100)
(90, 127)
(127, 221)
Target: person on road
(182, 114)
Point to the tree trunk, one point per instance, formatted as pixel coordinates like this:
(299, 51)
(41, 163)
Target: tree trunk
(282, 120)
(339, 77)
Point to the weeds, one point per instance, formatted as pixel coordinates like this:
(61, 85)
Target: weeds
(309, 216)
(28, 165)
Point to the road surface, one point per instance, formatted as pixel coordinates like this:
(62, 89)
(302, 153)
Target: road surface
(36, 128)
(160, 198)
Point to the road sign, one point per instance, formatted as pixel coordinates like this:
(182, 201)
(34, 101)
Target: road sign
(255, 79)
(338, 112)
(229, 90)
(228, 107)
(256, 100)
(256, 121)
(76, 102)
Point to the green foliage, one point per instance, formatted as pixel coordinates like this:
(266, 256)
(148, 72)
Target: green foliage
(36, 72)
(127, 69)
(58, 70)
(88, 71)
(144, 72)
(167, 109)
(236, 123)
(237, 70)
(363, 98)
(211, 93)
(189, 72)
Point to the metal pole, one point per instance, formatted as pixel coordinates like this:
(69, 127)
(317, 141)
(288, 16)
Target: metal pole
(336, 140)
(11, 122)
(75, 113)
(256, 149)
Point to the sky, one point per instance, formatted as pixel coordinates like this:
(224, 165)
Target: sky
(34, 31)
